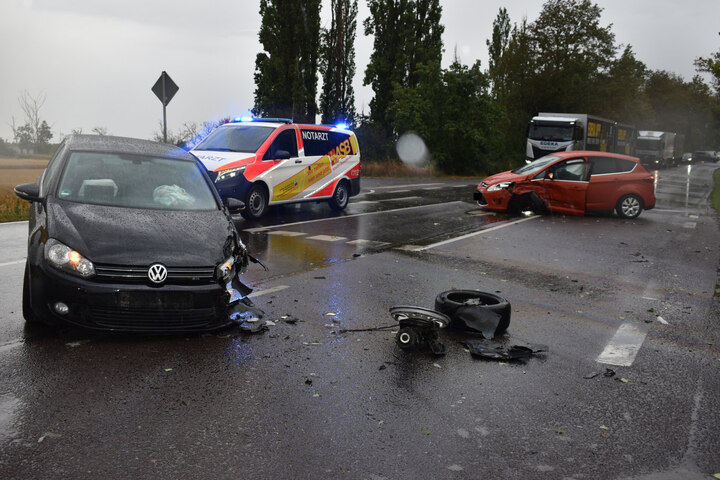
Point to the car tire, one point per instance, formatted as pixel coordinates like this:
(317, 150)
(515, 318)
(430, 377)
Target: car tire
(629, 206)
(450, 301)
(27, 310)
(256, 203)
(340, 197)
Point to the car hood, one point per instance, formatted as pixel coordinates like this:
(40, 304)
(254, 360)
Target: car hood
(131, 236)
(217, 160)
(508, 176)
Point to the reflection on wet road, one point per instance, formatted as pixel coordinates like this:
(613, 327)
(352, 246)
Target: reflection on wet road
(385, 217)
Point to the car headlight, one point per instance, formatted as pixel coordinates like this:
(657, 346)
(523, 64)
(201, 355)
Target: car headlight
(68, 260)
(224, 271)
(499, 186)
(230, 173)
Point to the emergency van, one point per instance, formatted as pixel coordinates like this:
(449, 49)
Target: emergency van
(274, 161)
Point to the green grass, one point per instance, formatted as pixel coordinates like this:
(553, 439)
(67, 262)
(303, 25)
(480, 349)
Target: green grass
(715, 196)
(12, 209)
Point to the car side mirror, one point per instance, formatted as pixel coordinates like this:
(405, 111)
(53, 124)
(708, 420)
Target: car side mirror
(282, 155)
(28, 191)
(234, 205)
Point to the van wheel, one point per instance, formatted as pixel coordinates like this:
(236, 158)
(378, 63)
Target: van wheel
(256, 204)
(629, 206)
(340, 198)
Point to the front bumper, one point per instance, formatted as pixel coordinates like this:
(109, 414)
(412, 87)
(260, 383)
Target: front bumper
(496, 201)
(131, 308)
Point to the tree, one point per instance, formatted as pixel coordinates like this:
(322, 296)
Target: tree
(571, 49)
(286, 72)
(337, 64)
(710, 65)
(35, 132)
(620, 91)
(407, 48)
(497, 48)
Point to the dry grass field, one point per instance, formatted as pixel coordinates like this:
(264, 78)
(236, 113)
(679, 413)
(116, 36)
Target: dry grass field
(14, 171)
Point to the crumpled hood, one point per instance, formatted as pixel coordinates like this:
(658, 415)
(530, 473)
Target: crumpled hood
(131, 236)
(220, 160)
(508, 176)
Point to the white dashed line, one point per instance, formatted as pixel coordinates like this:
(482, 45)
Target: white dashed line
(279, 288)
(327, 238)
(16, 262)
(286, 233)
(623, 347)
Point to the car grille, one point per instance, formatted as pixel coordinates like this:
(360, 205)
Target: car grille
(135, 275)
(153, 320)
(538, 152)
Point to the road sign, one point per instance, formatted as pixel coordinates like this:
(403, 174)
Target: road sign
(165, 88)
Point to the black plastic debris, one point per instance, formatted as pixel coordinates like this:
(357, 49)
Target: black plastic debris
(475, 311)
(419, 328)
(247, 316)
(609, 372)
(496, 351)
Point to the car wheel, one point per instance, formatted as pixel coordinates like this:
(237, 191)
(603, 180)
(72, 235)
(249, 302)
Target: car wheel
(450, 301)
(256, 204)
(340, 197)
(27, 310)
(629, 206)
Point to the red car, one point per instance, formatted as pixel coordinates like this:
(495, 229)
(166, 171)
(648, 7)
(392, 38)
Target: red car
(573, 183)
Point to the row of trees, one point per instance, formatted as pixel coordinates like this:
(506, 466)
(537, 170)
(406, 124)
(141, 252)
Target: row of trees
(472, 119)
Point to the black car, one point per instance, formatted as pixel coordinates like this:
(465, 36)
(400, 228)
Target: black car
(129, 235)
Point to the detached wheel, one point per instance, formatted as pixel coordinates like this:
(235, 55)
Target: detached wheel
(340, 197)
(629, 206)
(256, 204)
(450, 301)
(28, 314)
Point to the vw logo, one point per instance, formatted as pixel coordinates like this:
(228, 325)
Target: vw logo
(157, 273)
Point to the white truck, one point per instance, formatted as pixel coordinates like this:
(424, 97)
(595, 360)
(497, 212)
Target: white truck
(555, 132)
(658, 149)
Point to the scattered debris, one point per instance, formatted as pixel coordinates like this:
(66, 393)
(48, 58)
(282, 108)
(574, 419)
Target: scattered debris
(496, 351)
(475, 311)
(419, 328)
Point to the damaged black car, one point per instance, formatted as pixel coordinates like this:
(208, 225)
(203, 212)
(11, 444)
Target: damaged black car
(130, 235)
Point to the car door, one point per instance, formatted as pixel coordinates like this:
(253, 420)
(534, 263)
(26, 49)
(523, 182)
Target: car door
(565, 186)
(286, 180)
(605, 179)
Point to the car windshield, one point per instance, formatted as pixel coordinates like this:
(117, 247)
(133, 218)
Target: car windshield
(135, 181)
(536, 166)
(236, 138)
(552, 132)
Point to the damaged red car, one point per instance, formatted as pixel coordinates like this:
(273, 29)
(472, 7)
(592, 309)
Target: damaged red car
(574, 183)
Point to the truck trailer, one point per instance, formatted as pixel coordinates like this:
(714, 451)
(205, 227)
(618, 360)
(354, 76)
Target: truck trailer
(556, 132)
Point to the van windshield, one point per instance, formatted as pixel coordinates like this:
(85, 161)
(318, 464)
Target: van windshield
(235, 138)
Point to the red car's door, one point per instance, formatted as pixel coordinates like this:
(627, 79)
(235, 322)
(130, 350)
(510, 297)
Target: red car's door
(565, 186)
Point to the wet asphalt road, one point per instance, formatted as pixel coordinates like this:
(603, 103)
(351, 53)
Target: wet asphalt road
(307, 400)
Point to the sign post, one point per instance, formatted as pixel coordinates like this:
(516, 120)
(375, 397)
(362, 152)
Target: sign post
(165, 89)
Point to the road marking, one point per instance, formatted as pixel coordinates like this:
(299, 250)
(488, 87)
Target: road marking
(398, 199)
(344, 217)
(399, 191)
(286, 233)
(327, 238)
(623, 347)
(16, 262)
(412, 185)
(373, 243)
(268, 291)
(689, 224)
(470, 235)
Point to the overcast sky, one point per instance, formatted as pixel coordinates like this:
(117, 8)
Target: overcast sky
(95, 61)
